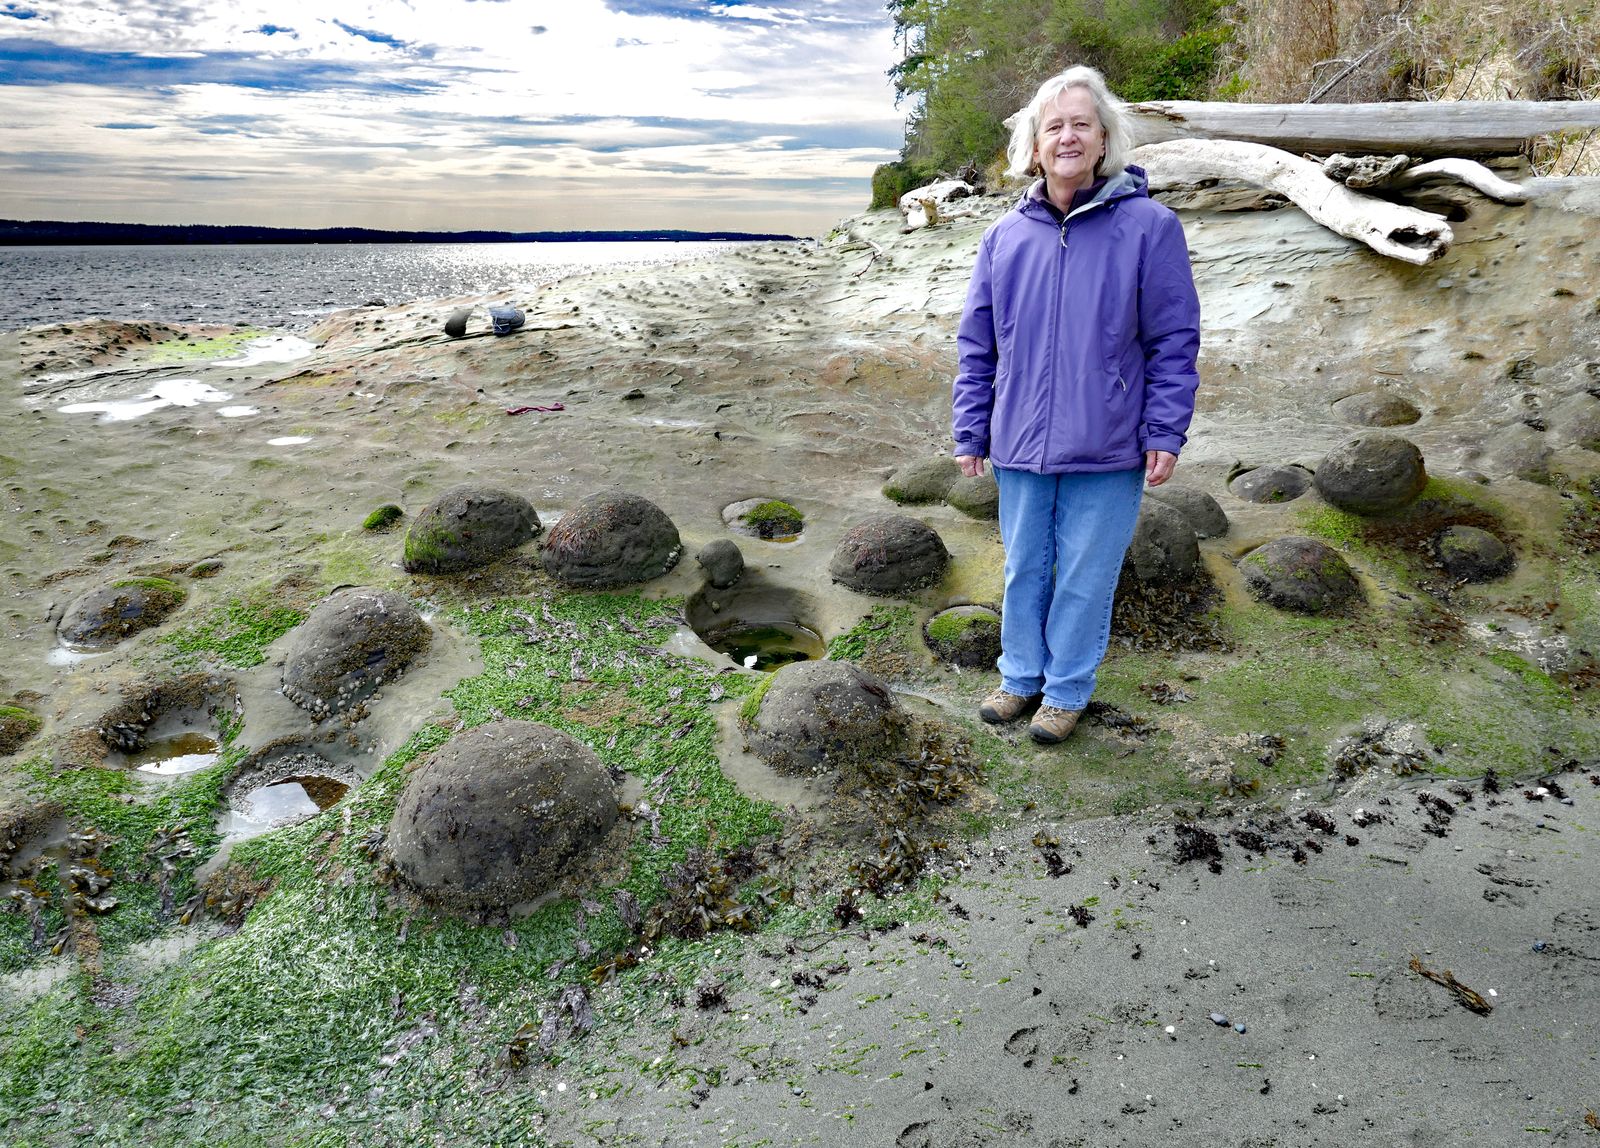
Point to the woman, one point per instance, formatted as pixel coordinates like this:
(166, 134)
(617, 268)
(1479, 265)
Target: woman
(1076, 381)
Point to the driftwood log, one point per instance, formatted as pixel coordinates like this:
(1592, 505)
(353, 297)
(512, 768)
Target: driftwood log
(1454, 128)
(1392, 229)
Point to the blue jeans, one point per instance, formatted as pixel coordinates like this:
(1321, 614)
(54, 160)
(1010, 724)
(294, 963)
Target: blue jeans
(1065, 536)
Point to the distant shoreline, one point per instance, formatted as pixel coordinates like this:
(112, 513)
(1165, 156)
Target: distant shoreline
(54, 233)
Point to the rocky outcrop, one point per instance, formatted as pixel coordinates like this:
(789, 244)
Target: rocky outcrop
(722, 561)
(1164, 550)
(497, 814)
(1205, 516)
(611, 539)
(1299, 574)
(1471, 554)
(822, 717)
(976, 496)
(349, 646)
(1372, 473)
(468, 526)
(889, 554)
(966, 636)
(107, 615)
(922, 481)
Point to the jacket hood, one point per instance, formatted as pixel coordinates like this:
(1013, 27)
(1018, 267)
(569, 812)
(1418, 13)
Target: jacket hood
(1129, 183)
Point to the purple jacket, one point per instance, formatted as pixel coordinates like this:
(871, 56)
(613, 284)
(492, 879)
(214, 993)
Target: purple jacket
(1078, 342)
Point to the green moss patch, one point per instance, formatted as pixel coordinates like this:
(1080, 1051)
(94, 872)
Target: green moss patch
(183, 350)
(773, 518)
(237, 633)
(383, 519)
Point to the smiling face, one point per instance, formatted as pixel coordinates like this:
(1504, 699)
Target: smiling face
(1069, 143)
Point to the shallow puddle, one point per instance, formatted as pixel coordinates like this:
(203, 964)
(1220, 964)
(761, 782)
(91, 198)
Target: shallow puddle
(282, 803)
(767, 645)
(172, 756)
(238, 412)
(289, 440)
(169, 393)
(273, 349)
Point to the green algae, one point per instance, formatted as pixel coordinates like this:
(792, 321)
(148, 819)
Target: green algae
(384, 518)
(237, 633)
(17, 725)
(184, 350)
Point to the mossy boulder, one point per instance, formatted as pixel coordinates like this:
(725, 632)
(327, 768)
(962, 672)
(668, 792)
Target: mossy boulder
(1163, 550)
(17, 725)
(383, 519)
(824, 717)
(106, 615)
(468, 526)
(925, 480)
(1377, 409)
(764, 518)
(889, 554)
(1299, 574)
(967, 636)
(498, 814)
(1471, 554)
(1206, 516)
(1271, 483)
(1372, 473)
(611, 539)
(976, 496)
(349, 646)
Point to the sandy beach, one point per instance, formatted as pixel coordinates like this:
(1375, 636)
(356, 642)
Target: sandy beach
(1213, 917)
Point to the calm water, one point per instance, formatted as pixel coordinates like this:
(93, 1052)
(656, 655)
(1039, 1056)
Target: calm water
(287, 285)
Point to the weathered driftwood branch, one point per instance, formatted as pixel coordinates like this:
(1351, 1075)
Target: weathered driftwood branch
(1400, 173)
(1390, 229)
(1454, 128)
(1474, 175)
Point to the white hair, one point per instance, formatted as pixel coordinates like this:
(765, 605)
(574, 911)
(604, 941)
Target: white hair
(1024, 124)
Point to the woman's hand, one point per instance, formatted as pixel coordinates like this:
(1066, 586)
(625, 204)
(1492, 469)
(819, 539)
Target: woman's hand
(1158, 466)
(972, 465)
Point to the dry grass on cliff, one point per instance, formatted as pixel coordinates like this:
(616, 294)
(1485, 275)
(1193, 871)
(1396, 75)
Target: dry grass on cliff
(1355, 51)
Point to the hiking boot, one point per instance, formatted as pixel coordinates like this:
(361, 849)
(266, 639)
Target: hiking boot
(1051, 725)
(1003, 707)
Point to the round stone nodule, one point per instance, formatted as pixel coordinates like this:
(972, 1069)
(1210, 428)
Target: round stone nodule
(976, 497)
(816, 717)
(922, 481)
(1300, 574)
(1204, 513)
(611, 539)
(1271, 483)
(1471, 554)
(1163, 550)
(967, 636)
(108, 614)
(765, 518)
(889, 554)
(1372, 473)
(352, 643)
(468, 526)
(498, 814)
(1377, 409)
(722, 561)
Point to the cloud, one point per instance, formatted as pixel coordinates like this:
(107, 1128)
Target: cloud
(387, 113)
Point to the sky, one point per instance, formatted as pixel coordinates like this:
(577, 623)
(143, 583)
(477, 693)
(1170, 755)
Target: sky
(517, 115)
